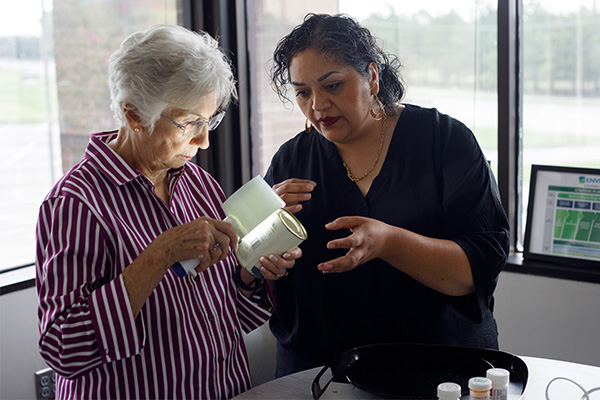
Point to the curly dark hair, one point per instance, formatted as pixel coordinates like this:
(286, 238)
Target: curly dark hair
(342, 39)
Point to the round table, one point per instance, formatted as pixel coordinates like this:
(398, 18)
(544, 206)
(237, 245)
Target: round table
(541, 371)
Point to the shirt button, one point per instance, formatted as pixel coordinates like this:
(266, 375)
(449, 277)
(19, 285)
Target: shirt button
(221, 359)
(211, 317)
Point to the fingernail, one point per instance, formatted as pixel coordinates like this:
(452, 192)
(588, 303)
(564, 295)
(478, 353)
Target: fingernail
(286, 255)
(263, 259)
(273, 258)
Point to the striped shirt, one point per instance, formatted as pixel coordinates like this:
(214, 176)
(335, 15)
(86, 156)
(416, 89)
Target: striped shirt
(186, 343)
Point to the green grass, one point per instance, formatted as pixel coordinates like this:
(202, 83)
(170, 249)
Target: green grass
(533, 138)
(487, 137)
(25, 101)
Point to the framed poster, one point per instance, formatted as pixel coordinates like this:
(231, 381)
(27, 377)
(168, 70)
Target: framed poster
(563, 216)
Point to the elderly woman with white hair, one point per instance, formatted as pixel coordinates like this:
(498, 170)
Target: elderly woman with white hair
(116, 320)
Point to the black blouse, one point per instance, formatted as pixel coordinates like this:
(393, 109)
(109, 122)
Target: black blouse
(434, 181)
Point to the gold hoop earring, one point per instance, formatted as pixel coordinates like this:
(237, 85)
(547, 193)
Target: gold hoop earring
(379, 114)
(307, 126)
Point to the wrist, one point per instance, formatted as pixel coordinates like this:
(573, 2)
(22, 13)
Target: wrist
(246, 284)
(160, 253)
(246, 276)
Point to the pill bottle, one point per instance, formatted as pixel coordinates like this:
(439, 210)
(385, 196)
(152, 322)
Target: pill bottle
(448, 391)
(500, 379)
(479, 388)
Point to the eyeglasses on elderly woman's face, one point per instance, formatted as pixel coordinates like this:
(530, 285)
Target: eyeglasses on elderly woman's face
(192, 128)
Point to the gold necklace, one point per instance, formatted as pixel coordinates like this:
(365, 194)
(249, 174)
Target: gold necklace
(358, 178)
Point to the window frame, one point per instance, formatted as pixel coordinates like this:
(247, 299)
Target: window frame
(510, 110)
(229, 157)
(510, 146)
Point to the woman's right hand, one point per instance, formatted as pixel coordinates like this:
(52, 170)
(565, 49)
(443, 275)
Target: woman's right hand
(293, 191)
(204, 238)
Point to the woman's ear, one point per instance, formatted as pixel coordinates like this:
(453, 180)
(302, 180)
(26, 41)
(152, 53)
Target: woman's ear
(374, 78)
(132, 117)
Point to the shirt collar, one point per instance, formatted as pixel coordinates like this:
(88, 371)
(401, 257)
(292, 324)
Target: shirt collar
(112, 165)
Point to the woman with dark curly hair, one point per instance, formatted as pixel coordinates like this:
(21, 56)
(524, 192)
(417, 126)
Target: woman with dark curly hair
(407, 235)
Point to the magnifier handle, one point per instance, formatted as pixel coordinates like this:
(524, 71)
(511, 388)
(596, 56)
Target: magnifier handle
(317, 391)
(188, 267)
(337, 367)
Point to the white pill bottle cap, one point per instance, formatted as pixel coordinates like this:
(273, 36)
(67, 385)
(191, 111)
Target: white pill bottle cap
(479, 383)
(499, 377)
(448, 391)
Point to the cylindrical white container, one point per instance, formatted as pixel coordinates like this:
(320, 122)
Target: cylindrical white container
(280, 232)
(251, 204)
(500, 380)
(448, 391)
(245, 209)
(479, 388)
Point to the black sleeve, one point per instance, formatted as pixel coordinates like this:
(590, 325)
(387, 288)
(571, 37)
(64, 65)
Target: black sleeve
(473, 214)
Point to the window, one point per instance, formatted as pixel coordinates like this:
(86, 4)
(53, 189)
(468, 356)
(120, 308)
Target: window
(561, 85)
(272, 122)
(53, 56)
(447, 50)
(28, 124)
(53, 73)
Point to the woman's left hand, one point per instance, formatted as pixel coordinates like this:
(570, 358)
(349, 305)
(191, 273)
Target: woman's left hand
(274, 267)
(366, 242)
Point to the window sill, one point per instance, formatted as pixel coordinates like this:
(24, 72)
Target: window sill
(18, 279)
(516, 263)
(24, 278)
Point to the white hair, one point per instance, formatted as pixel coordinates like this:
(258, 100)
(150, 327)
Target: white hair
(164, 67)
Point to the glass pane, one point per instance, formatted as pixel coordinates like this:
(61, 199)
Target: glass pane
(561, 85)
(448, 50)
(53, 61)
(272, 123)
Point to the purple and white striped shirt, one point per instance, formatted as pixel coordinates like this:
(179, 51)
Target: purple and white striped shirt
(186, 343)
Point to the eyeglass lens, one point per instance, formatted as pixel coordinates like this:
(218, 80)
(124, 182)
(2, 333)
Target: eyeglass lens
(213, 122)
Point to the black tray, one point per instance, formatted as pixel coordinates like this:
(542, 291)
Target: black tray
(413, 371)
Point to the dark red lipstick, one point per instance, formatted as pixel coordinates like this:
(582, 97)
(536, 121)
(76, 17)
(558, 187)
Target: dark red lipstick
(328, 121)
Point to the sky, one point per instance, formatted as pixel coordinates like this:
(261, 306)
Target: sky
(22, 17)
(360, 9)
